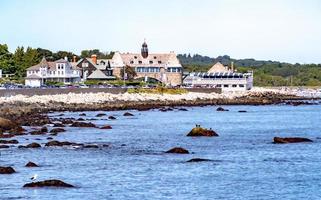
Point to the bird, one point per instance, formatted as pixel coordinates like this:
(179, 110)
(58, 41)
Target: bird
(34, 177)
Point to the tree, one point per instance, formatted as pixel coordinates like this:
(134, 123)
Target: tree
(45, 53)
(130, 73)
(6, 61)
(19, 62)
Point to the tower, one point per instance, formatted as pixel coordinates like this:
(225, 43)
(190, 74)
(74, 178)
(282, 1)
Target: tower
(144, 50)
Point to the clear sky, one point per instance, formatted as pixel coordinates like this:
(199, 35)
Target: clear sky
(283, 30)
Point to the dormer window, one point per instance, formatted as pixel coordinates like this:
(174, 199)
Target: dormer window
(150, 62)
(155, 57)
(135, 57)
(131, 62)
(159, 62)
(140, 62)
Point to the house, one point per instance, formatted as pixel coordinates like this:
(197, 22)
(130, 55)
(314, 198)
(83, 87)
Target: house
(220, 76)
(162, 67)
(57, 71)
(93, 68)
(0, 73)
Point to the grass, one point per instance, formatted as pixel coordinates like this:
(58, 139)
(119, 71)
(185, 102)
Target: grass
(158, 90)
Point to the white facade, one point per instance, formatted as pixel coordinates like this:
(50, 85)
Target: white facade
(0, 73)
(58, 71)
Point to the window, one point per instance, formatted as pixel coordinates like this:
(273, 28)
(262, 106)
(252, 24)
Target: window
(84, 64)
(62, 73)
(131, 62)
(234, 85)
(225, 85)
(159, 62)
(219, 86)
(155, 57)
(135, 57)
(62, 66)
(241, 85)
(58, 72)
(150, 62)
(140, 62)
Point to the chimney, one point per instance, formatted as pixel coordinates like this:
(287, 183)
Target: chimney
(94, 59)
(232, 66)
(66, 58)
(74, 58)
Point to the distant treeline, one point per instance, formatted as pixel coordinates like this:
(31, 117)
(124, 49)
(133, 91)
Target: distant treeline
(266, 73)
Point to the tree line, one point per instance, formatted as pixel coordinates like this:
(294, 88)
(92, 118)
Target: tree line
(16, 63)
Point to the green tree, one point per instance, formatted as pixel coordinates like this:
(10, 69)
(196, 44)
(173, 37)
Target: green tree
(6, 61)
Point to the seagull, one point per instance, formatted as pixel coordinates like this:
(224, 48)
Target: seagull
(34, 177)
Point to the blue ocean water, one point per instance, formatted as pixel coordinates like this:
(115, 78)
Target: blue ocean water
(246, 164)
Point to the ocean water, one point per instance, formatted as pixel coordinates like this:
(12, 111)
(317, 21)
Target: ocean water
(245, 163)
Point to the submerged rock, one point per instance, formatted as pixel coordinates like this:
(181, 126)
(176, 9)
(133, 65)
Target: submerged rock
(58, 125)
(9, 142)
(128, 114)
(178, 150)
(82, 114)
(182, 109)
(33, 145)
(91, 146)
(3, 146)
(31, 164)
(100, 115)
(82, 124)
(57, 130)
(242, 111)
(111, 117)
(199, 131)
(48, 183)
(198, 160)
(6, 170)
(221, 109)
(59, 144)
(106, 127)
(279, 140)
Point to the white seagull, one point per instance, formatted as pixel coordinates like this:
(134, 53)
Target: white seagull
(34, 177)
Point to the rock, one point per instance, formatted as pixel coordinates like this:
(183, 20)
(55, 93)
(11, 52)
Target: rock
(7, 135)
(82, 114)
(111, 117)
(221, 109)
(57, 130)
(22, 147)
(44, 129)
(279, 140)
(242, 111)
(6, 170)
(100, 115)
(59, 144)
(198, 160)
(6, 124)
(199, 131)
(182, 109)
(128, 114)
(9, 142)
(178, 150)
(80, 119)
(91, 146)
(37, 132)
(48, 183)
(3, 146)
(82, 124)
(31, 164)
(49, 138)
(58, 125)
(33, 145)
(106, 127)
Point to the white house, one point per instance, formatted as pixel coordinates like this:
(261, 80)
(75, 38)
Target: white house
(0, 73)
(220, 76)
(57, 71)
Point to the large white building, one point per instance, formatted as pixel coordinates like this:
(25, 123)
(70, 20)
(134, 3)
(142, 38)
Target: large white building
(57, 71)
(220, 76)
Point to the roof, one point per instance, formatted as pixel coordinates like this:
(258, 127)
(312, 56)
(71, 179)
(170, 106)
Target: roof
(50, 65)
(98, 74)
(218, 67)
(33, 76)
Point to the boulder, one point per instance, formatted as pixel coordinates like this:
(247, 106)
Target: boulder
(31, 164)
(7, 135)
(128, 114)
(91, 146)
(178, 150)
(80, 119)
(33, 145)
(182, 109)
(6, 170)
(37, 132)
(3, 146)
(198, 160)
(221, 109)
(57, 130)
(9, 142)
(82, 114)
(59, 144)
(49, 138)
(6, 124)
(199, 131)
(100, 115)
(82, 124)
(58, 125)
(279, 140)
(106, 127)
(242, 111)
(48, 183)
(44, 129)
(111, 117)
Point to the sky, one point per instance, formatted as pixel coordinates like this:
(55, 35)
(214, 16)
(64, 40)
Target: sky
(281, 30)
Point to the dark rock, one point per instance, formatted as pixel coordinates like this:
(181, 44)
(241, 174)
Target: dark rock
(82, 114)
(128, 114)
(49, 138)
(242, 111)
(57, 130)
(82, 124)
(59, 144)
(58, 125)
(9, 142)
(31, 164)
(6, 170)
(178, 150)
(221, 109)
(91, 146)
(33, 145)
(279, 140)
(3, 146)
(44, 129)
(111, 117)
(37, 132)
(7, 135)
(80, 119)
(48, 183)
(100, 115)
(106, 127)
(199, 131)
(22, 147)
(198, 160)
(182, 109)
